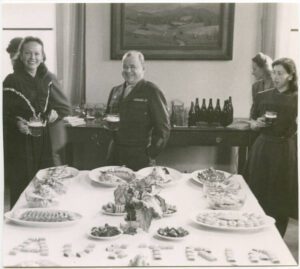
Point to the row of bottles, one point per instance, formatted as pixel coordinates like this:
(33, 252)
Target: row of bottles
(210, 114)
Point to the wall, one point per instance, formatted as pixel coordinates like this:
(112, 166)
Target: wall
(182, 80)
(30, 17)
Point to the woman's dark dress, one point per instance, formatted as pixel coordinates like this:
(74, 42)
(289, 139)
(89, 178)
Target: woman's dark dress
(272, 166)
(24, 154)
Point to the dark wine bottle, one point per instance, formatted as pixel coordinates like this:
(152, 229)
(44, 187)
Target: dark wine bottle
(210, 112)
(203, 111)
(217, 112)
(173, 115)
(224, 119)
(230, 108)
(191, 119)
(197, 110)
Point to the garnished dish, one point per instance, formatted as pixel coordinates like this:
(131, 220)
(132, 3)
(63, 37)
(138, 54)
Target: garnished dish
(58, 172)
(162, 176)
(210, 175)
(232, 220)
(43, 196)
(55, 178)
(229, 196)
(171, 233)
(113, 209)
(112, 176)
(43, 217)
(105, 232)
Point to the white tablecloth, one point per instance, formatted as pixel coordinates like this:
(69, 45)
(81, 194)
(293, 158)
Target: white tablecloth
(87, 197)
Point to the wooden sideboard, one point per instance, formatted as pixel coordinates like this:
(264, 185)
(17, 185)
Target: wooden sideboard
(88, 144)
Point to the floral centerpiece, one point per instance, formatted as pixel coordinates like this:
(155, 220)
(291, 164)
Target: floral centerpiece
(141, 200)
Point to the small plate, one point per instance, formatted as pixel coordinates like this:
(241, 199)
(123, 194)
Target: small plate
(175, 175)
(105, 237)
(116, 214)
(194, 175)
(170, 238)
(166, 214)
(73, 172)
(94, 175)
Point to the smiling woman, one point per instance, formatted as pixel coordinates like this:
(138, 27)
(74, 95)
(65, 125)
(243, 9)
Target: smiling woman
(30, 92)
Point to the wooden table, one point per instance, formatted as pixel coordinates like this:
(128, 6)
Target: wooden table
(88, 144)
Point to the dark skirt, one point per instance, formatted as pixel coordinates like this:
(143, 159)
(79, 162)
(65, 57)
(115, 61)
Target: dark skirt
(24, 156)
(272, 174)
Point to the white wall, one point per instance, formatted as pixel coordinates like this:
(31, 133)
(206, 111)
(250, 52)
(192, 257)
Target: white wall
(182, 80)
(29, 16)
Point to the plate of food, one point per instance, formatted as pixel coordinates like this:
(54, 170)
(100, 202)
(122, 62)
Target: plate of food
(106, 232)
(170, 210)
(43, 217)
(210, 175)
(62, 172)
(43, 196)
(229, 196)
(162, 176)
(111, 176)
(113, 209)
(172, 233)
(232, 220)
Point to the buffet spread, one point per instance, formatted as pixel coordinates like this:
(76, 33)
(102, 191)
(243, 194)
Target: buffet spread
(157, 216)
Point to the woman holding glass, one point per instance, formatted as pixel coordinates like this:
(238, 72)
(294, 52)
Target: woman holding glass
(272, 166)
(31, 97)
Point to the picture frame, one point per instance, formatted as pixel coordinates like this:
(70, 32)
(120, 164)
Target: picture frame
(173, 31)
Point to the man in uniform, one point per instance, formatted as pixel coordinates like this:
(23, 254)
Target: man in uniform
(144, 125)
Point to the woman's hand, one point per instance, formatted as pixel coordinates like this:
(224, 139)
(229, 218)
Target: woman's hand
(258, 123)
(52, 116)
(22, 125)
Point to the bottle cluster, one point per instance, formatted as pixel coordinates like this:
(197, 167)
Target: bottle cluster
(210, 114)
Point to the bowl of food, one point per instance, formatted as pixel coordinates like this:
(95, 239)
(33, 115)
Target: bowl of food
(172, 233)
(225, 195)
(106, 232)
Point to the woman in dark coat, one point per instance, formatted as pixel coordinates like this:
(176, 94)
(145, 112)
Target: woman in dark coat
(30, 91)
(272, 166)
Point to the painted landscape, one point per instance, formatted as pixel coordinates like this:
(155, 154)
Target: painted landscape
(179, 25)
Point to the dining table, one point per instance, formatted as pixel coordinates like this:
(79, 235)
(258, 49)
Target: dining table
(86, 197)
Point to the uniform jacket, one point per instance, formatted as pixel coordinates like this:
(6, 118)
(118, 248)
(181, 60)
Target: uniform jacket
(144, 119)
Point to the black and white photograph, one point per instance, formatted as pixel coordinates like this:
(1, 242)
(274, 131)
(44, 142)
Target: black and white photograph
(149, 134)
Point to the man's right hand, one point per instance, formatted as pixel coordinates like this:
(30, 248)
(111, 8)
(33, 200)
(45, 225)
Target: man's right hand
(22, 125)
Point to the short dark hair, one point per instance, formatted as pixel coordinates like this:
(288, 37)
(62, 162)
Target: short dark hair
(290, 67)
(13, 45)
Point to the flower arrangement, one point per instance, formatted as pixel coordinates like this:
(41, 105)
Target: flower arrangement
(141, 200)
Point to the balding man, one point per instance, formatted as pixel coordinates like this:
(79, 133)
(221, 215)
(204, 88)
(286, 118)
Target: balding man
(144, 121)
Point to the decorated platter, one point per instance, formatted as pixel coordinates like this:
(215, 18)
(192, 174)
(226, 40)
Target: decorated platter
(111, 176)
(106, 232)
(43, 217)
(112, 209)
(163, 176)
(59, 172)
(172, 233)
(200, 176)
(232, 220)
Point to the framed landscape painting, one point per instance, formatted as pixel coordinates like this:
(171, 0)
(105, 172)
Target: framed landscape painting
(173, 31)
